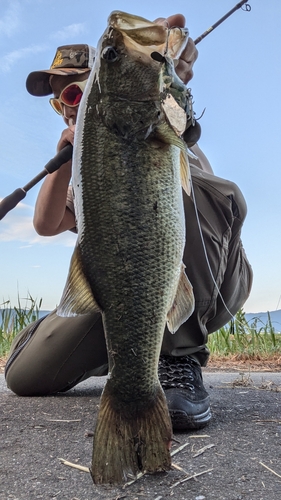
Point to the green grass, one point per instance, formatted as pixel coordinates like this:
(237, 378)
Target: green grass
(14, 319)
(237, 338)
(245, 340)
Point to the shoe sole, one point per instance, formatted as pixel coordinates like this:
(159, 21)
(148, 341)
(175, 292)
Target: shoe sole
(181, 421)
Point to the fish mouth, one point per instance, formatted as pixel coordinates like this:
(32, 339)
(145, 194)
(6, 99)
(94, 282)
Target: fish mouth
(150, 36)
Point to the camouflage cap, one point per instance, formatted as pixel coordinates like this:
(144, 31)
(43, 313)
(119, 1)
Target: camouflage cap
(69, 60)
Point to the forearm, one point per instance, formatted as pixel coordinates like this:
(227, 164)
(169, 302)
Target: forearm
(51, 216)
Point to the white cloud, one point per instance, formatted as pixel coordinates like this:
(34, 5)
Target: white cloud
(9, 22)
(68, 32)
(9, 60)
(19, 228)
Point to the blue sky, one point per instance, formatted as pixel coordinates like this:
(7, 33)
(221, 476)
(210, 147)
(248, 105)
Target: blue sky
(237, 79)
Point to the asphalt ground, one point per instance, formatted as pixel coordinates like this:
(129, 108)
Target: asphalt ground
(236, 457)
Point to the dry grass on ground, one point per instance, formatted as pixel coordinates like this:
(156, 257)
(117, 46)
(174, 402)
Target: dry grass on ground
(240, 362)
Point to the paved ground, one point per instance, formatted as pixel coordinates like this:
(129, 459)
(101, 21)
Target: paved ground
(237, 457)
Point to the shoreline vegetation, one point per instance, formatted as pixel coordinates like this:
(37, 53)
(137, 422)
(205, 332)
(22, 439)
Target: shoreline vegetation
(241, 343)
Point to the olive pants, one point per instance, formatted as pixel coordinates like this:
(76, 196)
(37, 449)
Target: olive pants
(57, 353)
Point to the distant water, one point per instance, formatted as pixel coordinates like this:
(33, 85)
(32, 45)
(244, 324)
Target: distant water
(261, 318)
(43, 313)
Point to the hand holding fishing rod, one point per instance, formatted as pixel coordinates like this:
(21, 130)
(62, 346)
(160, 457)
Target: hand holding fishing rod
(10, 201)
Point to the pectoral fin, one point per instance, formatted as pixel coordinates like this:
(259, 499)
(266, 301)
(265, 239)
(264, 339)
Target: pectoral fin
(185, 172)
(183, 305)
(77, 297)
(165, 133)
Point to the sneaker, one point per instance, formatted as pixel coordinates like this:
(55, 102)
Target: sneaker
(187, 398)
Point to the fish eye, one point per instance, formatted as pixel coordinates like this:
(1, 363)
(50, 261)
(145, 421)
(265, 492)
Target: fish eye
(109, 54)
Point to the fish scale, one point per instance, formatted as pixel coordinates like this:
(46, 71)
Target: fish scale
(125, 253)
(131, 234)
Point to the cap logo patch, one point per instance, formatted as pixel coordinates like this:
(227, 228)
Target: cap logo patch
(58, 60)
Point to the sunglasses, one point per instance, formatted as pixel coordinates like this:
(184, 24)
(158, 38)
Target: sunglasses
(70, 96)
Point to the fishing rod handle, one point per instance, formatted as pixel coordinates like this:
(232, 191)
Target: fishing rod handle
(63, 156)
(11, 201)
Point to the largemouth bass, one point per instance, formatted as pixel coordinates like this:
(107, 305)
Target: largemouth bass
(128, 166)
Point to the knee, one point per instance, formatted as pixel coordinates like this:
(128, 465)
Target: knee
(238, 203)
(25, 383)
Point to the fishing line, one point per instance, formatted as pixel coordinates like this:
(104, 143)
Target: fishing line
(205, 251)
(246, 7)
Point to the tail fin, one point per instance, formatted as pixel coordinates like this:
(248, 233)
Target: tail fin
(125, 444)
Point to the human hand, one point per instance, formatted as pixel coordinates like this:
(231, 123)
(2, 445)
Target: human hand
(184, 68)
(67, 137)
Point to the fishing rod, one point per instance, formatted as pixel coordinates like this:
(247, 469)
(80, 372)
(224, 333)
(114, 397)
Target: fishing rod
(11, 201)
(19, 194)
(247, 8)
